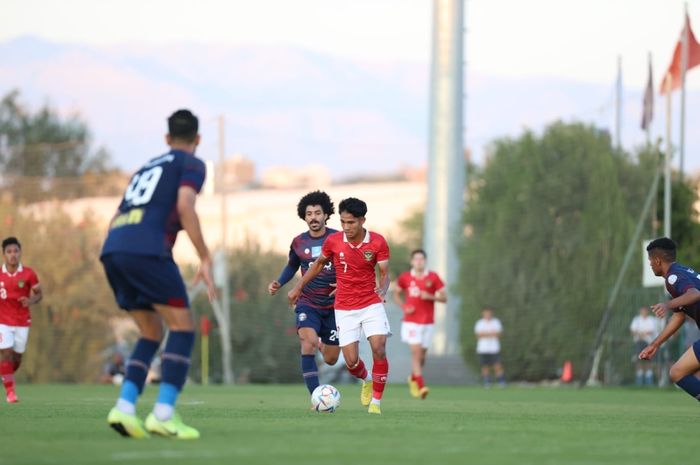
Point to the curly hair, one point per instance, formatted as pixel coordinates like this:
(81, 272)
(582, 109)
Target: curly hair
(315, 198)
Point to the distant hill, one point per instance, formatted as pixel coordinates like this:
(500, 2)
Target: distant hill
(286, 106)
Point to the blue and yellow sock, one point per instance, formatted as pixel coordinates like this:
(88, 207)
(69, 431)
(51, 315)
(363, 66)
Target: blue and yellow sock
(175, 365)
(136, 371)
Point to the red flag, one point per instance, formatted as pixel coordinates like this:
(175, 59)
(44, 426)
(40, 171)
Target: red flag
(648, 104)
(674, 69)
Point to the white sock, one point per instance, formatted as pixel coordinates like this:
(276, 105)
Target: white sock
(375, 401)
(125, 406)
(163, 412)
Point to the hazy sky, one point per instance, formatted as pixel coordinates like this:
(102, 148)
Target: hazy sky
(557, 38)
(514, 42)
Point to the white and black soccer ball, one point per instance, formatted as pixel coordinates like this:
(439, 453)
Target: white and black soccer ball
(325, 399)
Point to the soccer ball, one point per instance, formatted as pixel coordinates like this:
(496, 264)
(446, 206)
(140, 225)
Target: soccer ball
(118, 379)
(325, 399)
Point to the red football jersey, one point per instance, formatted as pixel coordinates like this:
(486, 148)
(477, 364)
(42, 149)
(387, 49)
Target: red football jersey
(354, 268)
(412, 285)
(12, 287)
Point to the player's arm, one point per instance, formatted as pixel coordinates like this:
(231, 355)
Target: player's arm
(314, 269)
(689, 297)
(34, 298)
(397, 295)
(439, 296)
(186, 199)
(384, 280)
(674, 324)
(288, 272)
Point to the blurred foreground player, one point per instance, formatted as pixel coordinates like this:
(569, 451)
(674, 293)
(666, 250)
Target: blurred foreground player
(359, 308)
(19, 288)
(314, 308)
(138, 262)
(421, 288)
(683, 284)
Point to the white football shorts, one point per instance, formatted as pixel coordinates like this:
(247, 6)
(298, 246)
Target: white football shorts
(370, 320)
(416, 333)
(14, 337)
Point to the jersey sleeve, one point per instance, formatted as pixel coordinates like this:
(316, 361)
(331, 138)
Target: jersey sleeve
(194, 172)
(681, 283)
(33, 279)
(383, 251)
(478, 327)
(327, 248)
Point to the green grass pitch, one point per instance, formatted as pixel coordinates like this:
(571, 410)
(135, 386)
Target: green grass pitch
(65, 424)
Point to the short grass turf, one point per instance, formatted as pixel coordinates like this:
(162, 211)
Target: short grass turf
(263, 424)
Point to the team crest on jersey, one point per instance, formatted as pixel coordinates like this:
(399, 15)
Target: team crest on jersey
(302, 316)
(428, 282)
(369, 255)
(672, 279)
(20, 283)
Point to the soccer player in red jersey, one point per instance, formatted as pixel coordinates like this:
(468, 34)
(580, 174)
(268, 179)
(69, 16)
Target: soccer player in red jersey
(422, 288)
(19, 288)
(356, 253)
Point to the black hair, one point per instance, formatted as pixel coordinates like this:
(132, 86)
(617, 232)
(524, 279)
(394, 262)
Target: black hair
(183, 125)
(10, 241)
(663, 247)
(355, 207)
(420, 251)
(315, 198)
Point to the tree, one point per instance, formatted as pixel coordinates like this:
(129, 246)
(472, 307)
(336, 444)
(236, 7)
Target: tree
(70, 327)
(550, 218)
(264, 339)
(39, 148)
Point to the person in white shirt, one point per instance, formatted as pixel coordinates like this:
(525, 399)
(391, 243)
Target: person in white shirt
(488, 346)
(644, 328)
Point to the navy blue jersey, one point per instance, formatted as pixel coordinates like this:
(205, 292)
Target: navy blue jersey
(678, 280)
(303, 251)
(147, 222)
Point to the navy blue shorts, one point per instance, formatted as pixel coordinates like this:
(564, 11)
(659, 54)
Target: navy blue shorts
(321, 320)
(696, 349)
(139, 281)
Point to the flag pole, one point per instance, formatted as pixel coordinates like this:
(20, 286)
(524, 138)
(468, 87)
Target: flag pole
(667, 161)
(684, 68)
(648, 128)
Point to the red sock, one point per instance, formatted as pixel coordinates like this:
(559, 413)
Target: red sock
(419, 381)
(359, 371)
(7, 374)
(380, 371)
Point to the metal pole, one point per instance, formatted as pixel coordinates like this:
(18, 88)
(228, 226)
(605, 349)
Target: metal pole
(225, 323)
(446, 167)
(684, 68)
(667, 162)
